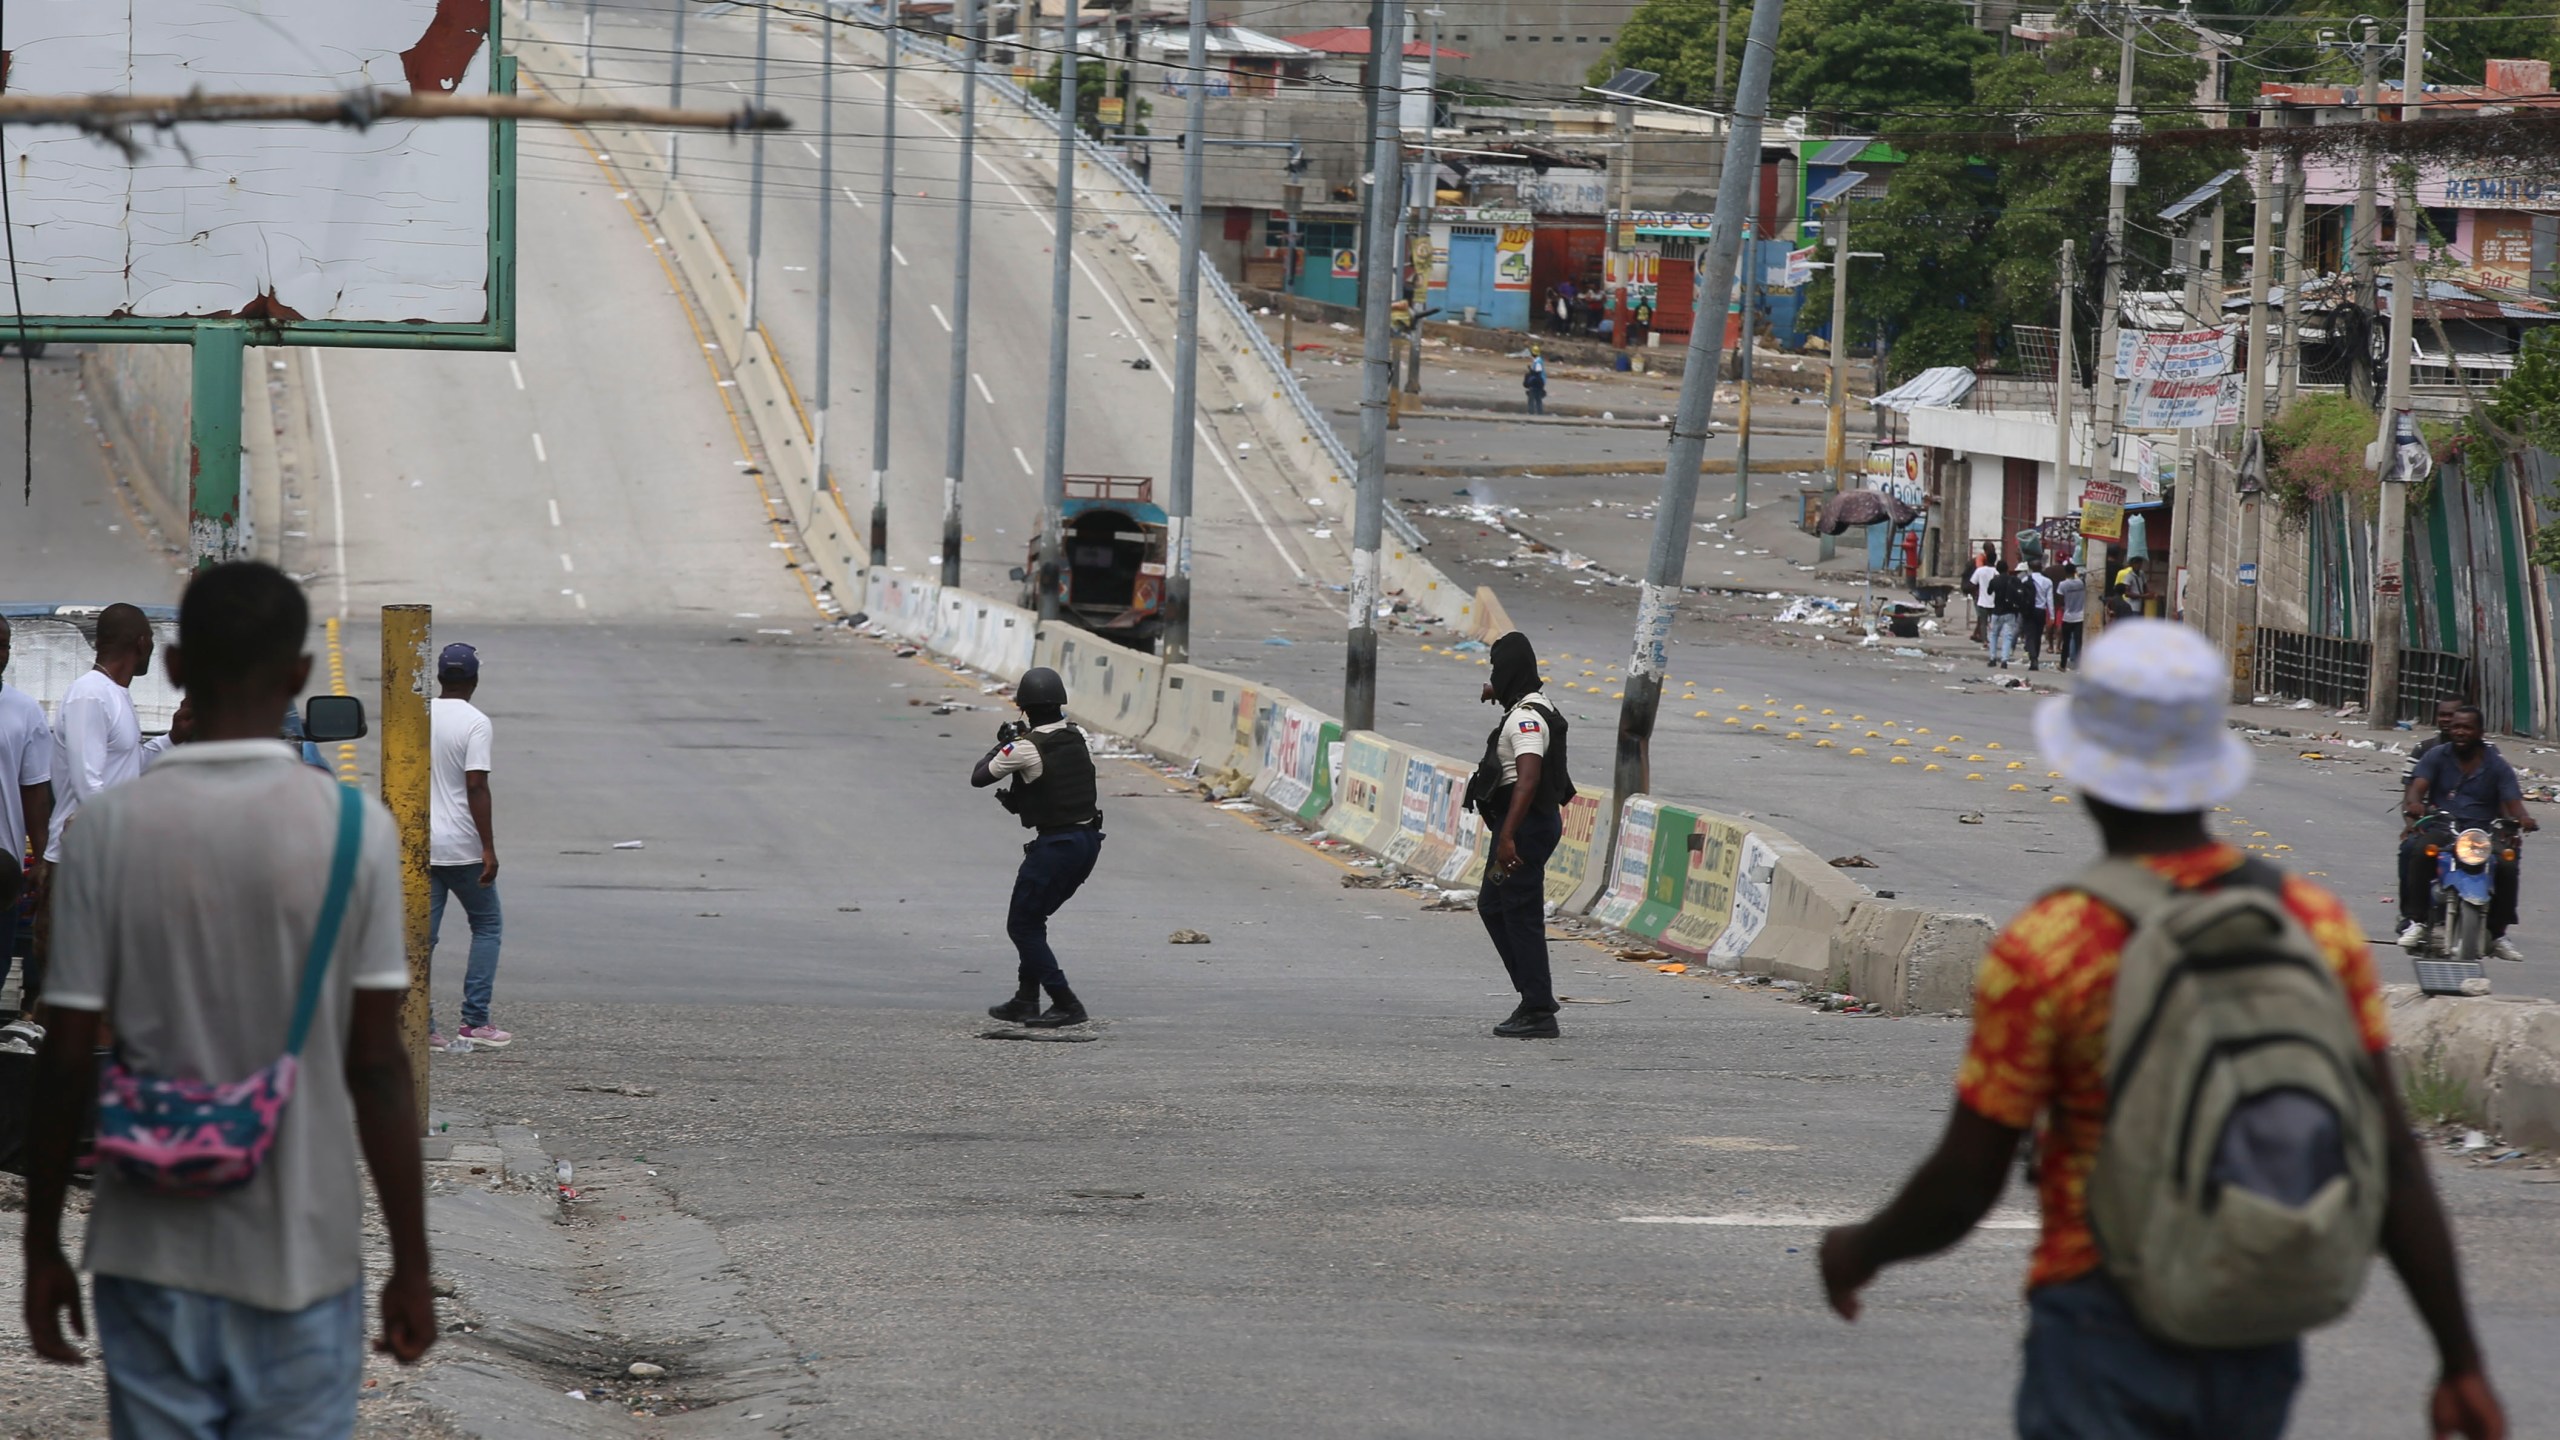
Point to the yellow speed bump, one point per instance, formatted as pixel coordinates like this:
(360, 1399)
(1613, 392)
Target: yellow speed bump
(1857, 749)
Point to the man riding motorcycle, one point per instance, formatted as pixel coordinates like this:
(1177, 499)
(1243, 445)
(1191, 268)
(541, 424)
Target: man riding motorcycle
(2468, 779)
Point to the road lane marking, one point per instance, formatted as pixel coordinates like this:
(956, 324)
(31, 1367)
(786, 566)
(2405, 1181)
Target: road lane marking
(1763, 1221)
(515, 370)
(1007, 181)
(1022, 460)
(538, 452)
(849, 195)
(581, 598)
(1128, 326)
(1201, 429)
(555, 514)
(812, 149)
(938, 316)
(565, 566)
(897, 254)
(981, 382)
(337, 481)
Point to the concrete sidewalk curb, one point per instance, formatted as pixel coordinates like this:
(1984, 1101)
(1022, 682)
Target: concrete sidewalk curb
(2502, 1050)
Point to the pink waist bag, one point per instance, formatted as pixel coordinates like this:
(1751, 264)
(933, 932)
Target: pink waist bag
(192, 1137)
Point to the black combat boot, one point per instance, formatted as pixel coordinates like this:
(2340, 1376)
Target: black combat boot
(1529, 1022)
(1022, 1009)
(1064, 1010)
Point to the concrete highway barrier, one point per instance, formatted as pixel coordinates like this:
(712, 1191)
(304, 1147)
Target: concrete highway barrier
(1368, 791)
(2502, 1052)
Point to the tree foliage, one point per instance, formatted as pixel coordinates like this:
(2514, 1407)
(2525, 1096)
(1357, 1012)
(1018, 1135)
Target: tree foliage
(1857, 65)
(2527, 402)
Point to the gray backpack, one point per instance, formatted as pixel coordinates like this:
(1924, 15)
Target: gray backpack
(2240, 1184)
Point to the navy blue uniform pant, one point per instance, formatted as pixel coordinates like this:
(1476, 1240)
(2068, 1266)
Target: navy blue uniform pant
(1054, 867)
(1515, 909)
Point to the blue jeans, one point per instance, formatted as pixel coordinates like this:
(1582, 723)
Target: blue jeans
(2003, 638)
(1514, 908)
(2093, 1374)
(185, 1366)
(1054, 867)
(480, 906)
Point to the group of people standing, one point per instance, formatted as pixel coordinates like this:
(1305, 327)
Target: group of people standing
(2019, 607)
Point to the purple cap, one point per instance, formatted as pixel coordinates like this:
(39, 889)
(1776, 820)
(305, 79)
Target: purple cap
(458, 662)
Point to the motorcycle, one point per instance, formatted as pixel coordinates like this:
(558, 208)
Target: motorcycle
(2458, 911)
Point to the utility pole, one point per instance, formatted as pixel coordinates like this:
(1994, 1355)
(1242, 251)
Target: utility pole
(826, 249)
(1053, 452)
(1724, 19)
(2124, 172)
(1658, 601)
(2269, 195)
(1752, 279)
(1378, 375)
(2368, 221)
(675, 84)
(1426, 198)
(2063, 364)
(2289, 359)
(1186, 349)
(2382, 708)
(955, 455)
(1292, 194)
(755, 182)
(880, 351)
(1622, 224)
(1835, 438)
(588, 69)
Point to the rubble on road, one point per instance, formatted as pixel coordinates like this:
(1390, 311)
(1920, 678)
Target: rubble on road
(1187, 937)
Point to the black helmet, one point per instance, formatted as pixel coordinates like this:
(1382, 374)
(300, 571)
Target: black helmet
(1040, 685)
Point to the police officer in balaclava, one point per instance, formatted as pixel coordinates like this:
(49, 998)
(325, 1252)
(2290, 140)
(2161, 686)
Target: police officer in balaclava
(1053, 794)
(1520, 790)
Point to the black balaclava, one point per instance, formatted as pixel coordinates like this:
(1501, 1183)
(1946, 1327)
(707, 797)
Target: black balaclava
(1515, 668)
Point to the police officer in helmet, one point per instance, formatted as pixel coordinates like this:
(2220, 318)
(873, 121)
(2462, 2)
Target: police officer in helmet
(1053, 794)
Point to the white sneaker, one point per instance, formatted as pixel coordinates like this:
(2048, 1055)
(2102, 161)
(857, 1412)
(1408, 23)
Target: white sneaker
(2505, 949)
(2413, 937)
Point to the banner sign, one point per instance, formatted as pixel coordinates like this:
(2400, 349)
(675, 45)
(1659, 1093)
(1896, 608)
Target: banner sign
(2173, 354)
(2102, 511)
(2185, 404)
(1755, 875)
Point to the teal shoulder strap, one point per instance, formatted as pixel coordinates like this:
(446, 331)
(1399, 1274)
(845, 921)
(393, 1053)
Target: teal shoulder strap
(333, 914)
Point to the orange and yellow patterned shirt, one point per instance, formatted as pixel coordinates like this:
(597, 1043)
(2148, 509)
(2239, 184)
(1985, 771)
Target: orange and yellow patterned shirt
(2039, 1048)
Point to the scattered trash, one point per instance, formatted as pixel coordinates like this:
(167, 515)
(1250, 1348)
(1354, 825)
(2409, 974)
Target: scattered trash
(1855, 862)
(2474, 1140)
(630, 844)
(1638, 953)
(643, 1370)
(2476, 985)
(1453, 900)
(1910, 652)
(1187, 937)
(1277, 640)
(575, 1394)
(1814, 610)
(615, 1088)
(1581, 1000)
(1970, 817)
(1673, 969)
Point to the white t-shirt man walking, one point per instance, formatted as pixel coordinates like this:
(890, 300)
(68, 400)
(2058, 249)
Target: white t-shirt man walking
(462, 844)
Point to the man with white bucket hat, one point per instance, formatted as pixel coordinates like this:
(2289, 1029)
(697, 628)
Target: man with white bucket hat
(2215, 1171)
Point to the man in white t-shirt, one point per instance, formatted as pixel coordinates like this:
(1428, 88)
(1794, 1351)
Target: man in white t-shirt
(1985, 570)
(26, 808)
(462, 843)
(185, 909)
(97, 745)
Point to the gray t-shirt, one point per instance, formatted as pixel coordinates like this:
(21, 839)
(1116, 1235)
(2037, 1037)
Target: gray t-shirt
(183, 911)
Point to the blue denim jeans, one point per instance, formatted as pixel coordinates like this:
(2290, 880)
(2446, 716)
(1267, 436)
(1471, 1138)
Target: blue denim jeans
(2092, 1373)
(187, 1366)
(480, 907)
(2003, 638)
(1054, 867)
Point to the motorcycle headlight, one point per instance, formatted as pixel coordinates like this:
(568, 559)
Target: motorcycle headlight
(2471, 847)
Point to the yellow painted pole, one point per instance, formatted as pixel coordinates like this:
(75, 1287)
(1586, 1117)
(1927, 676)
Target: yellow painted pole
(348, 774)
(408, 634)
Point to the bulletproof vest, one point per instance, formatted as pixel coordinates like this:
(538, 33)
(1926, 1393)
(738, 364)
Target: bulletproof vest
(1064, 794)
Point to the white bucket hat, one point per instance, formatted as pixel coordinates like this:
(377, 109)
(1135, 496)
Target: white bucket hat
(2144, 727)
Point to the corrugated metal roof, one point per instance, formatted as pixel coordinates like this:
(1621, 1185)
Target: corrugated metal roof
(1938, 387)
(1223, 40)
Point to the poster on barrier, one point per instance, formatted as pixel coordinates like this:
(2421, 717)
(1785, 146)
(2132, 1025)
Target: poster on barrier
(1706, 899)
(1360, 811)
(1320, 792)
(1666, 874)
(1628, 865)
(1462, 827)
(1754, 876)
(1425, 832)
(1571, 864)
(1290, 756)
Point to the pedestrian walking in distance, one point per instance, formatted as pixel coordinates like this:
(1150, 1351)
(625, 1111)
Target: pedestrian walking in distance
(1053, 793)
(1520, 790)
(2071, 594)
(235, 917)
(2201, 1037)
(1533, 382)
(462, 838)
